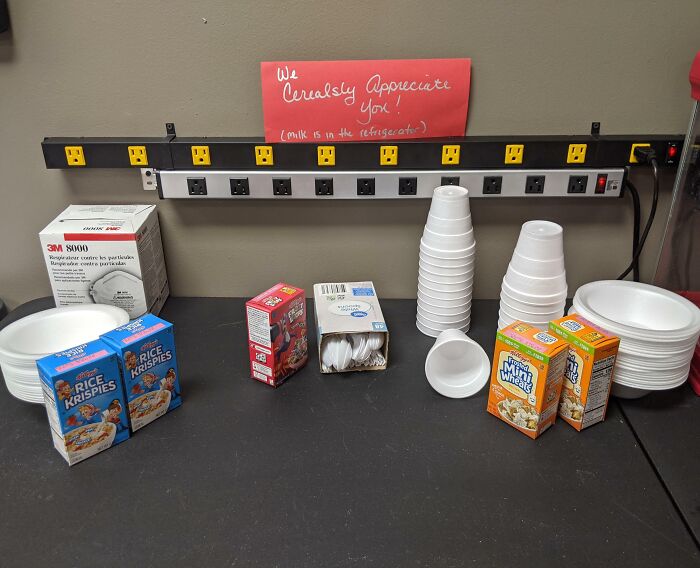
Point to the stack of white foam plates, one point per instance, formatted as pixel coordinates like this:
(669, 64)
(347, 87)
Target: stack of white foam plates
(658, 333)
(41, 334)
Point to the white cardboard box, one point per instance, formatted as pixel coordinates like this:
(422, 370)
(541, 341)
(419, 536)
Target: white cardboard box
(107, 254)
(349, 307)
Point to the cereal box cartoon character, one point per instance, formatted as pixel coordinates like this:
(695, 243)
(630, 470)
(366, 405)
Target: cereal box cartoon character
(64, 390)
(90, 414)
(169, 382)
(148, 383)
(112, 415)
(130, 360)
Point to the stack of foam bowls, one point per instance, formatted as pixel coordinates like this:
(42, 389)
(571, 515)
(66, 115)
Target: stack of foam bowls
(38, 335)
(658, 333)
(534, 287)
(446, 264)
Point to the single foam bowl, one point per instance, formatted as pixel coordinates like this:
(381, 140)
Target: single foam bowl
(56, 329)
(458, 270)
(441, 325)
(431, 316)
(639, 310)
(445, 295)
(465, 263)
(535, 285)
(529, 298)
(430, 332)
(530, 308)
(449, 226)
(448, 242)
(428, 274)
(445, 254)
(541, 240)
(539, 317)
(447, 286)
(450, 202)
(442, 304)
(540, 268)
(457, 366)
(435, 312)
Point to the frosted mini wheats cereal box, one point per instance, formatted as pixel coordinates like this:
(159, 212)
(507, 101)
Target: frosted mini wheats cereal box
(526, 378)
(277, 340)
(84, 397)
(589, 370)
(146, 348)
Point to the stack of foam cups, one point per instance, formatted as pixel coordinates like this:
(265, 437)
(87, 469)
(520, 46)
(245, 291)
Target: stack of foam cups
(446, 264)
(534, 287)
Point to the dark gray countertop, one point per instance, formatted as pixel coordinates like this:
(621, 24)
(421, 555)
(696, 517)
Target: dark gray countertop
(334, 470)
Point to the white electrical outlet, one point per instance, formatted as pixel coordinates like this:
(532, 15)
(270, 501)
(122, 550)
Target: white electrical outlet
(406, 184)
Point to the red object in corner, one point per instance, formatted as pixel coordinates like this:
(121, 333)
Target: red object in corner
(695, 77)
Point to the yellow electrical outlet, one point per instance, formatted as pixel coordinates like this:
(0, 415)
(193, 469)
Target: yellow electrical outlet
(263, 156)
(200, 156)
(633, 159)
(514, 153)
(576, 154)
(138, 156)
(450, 154)
(388, 155)
(326, 155)
(75, 156)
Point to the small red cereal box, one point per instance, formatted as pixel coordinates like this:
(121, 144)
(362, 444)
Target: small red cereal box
(277, 340)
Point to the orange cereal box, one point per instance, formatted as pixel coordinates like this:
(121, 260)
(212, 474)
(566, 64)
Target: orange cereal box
(589, 370)
(526, 378)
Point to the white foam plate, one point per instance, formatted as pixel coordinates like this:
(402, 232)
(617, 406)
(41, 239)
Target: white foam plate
(56, 329)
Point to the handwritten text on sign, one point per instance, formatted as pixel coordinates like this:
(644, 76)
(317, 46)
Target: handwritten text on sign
(320, 101)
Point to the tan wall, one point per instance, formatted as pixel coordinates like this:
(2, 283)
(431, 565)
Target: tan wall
(97, 68)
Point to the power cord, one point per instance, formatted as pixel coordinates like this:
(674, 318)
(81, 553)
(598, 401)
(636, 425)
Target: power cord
(645, 154)
(637, 225)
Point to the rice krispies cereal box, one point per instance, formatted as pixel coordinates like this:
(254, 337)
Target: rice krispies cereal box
(589, 370)
(277, 337)
(146, 348)
(526, 377)
(85, 402)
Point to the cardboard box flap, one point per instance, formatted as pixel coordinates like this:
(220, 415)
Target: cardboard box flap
(99, 218)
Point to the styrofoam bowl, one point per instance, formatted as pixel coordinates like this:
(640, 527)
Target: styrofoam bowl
(507, 320)
(455, 272)
(448, 242)
(535, 267)
(449, 226)
(541, 240)
(444, 310)
(430, 276)
(447, 254)
(529, 308)
(639, 310)
(456, 366)
(46, 332)
(461, 293)
(444, 286)
(442, 304)
(450, 202)
(442, 318)
(526, 297)
(539, 319)
(534, 285)
(447, 266)
(427, 329)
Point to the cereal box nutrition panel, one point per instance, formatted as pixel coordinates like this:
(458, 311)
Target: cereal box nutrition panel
(589, 370)
(526, 378)
(85, 402)
(277, 335)
(146, 348)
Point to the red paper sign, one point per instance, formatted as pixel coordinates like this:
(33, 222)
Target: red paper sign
(322, 101)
